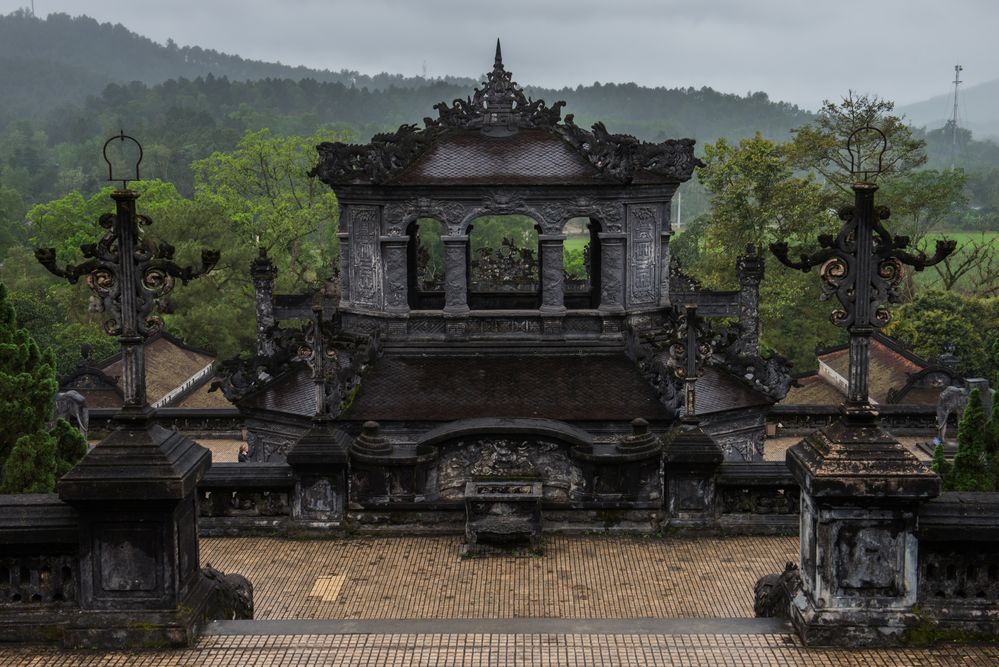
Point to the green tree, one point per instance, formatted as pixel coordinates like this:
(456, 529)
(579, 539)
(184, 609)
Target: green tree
(935, 318)
(922, 202)
(822, 144)
(32, 457)
(972, 470)
(942, 466)
(264, 190)
(757, 198)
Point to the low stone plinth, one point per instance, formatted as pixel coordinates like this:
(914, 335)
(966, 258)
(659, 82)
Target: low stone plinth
(502, 515)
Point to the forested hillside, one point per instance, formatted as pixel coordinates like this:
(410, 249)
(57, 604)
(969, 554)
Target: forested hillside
(64, 58)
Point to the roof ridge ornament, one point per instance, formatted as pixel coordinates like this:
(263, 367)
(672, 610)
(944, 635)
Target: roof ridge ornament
(499, 108)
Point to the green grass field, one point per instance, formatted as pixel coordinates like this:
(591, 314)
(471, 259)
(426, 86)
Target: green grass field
(929, 278)
(576, 242)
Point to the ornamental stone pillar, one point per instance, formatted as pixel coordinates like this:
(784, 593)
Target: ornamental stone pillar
(750, 269)
(455, 273)
(263, 272)
(552, 273)
(396, 277)
(344, 239)
(664, 269)
(612, 271)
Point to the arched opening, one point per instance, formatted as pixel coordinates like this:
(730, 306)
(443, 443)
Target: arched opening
(425, 264)
(503, 263)
(581, 259)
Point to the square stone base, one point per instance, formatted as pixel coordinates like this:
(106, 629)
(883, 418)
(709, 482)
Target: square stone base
(851, 628)
(166, 628)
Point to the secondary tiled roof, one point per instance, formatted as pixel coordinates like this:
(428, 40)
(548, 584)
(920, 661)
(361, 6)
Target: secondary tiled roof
(465, 157)
(717, 391)
(813, 390)
(446, 387)
(889, 368)
(295, 393)
(169, 364)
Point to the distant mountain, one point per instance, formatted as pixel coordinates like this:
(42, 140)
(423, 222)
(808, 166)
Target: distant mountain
(63, 59)
(978, 110)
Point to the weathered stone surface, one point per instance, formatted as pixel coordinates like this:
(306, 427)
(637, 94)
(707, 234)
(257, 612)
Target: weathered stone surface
(502, 513)
(231, 597)
(773, 593)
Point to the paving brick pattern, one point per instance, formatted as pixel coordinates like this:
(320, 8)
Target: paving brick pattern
(578, 577)
(439, 650)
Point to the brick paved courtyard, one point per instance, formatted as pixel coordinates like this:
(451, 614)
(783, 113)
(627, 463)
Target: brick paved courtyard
(578, 577)
(471, 650)
(591, 577)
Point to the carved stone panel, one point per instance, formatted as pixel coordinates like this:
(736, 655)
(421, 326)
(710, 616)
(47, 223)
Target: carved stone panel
(344, 268)
(664, 269)
(643, 231)
(464, 460)
(366, 268)
(503, 326)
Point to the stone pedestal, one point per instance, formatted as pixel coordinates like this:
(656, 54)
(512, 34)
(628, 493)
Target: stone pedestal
(140, 580)
(502, 514)
(691, 461)
(860, 493)
(319, 460)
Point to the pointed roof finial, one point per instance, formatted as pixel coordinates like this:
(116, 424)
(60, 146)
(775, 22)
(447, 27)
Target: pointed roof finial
(499, 55)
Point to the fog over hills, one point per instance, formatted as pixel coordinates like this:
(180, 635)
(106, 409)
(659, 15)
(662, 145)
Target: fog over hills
(978, 110)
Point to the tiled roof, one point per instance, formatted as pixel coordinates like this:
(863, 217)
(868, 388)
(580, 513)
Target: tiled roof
(813, 390)
(717, 391)
(889, 369)
(168, 365)
(529, 157)
(203, 398)
(295, 394)
(448, 387)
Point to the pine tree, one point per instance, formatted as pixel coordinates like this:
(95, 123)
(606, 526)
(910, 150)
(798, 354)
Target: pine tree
(942, 467)
(32, 458)
(971, 466)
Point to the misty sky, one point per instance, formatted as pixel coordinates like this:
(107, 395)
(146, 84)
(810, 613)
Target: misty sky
(802, 51)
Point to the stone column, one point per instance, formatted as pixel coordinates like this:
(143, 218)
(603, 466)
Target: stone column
(319, 461)
(344, 239)
(552, 273)
(690, 465)
(860, 495)
(750, 269)
(664, 269)
(140, 580)
(455, 274)
(396, 277)
(263, 272)
(612, 271)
